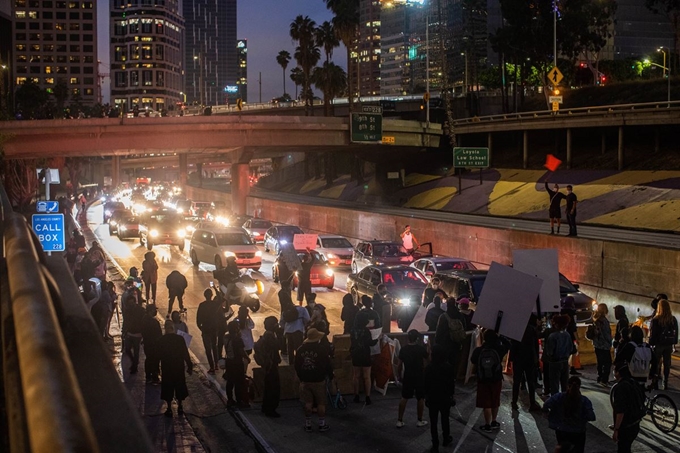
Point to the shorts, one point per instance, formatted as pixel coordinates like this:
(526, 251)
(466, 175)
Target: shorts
(313, 393)
(489, 394)
(555, 213)
(411, 387)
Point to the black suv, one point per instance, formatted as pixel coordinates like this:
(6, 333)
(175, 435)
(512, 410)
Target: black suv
(164, 226)
(457, 283)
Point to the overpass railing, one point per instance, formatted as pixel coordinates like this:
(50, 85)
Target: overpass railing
(49, 404)
(596, 111)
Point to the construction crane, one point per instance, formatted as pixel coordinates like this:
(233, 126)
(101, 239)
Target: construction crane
(100, 79)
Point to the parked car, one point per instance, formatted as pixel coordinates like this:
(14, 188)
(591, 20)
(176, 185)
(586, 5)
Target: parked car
(431, 265)
(215, 244)
(337, 250)
(405, 286)
(257, 228)
(279, 235)
(110, 207)
(457, 283)
(379, 253)
(161, 227)
(321, 276)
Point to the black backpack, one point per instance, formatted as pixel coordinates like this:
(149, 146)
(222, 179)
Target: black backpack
(290, 314)
(669, 334)
(489, 367)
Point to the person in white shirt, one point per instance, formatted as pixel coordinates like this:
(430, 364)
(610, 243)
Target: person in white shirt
(409, 240)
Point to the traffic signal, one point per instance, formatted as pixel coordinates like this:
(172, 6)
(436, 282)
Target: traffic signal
(239, 104)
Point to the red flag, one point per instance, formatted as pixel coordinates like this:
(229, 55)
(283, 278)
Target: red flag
(552, 162)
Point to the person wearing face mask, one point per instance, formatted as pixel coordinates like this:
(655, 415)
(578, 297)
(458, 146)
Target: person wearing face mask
(572, 201)
(432, 289)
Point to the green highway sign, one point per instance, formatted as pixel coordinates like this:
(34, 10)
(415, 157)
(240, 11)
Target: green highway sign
(366, 127)
(471, 157)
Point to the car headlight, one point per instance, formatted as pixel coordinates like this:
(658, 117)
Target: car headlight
(181, 233)
(122, 228)
(404, 301)
(153, 233)
(107, 212)
(258, 253)
(283, 242)
(251, 289)
(330, 255)
(102, 199)
(256, 234)
(228, 254)
(329, 272)
(379, 263)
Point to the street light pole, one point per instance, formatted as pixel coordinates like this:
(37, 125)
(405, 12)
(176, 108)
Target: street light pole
(199, 58)
(661, 49)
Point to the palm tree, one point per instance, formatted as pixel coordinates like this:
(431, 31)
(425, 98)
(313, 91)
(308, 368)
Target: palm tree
(327, 38)
(331, 79)
(346, 25)
(307, 53)
(298, 78)
(283, 58)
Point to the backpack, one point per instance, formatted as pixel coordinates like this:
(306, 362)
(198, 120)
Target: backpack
(641, 360)
(456, 329)
(669, 334)
(489, 366)
(290, 314)
(592, 332)
(260, 355)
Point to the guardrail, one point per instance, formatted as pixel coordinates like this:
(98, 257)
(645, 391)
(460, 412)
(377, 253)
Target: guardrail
(604, 110)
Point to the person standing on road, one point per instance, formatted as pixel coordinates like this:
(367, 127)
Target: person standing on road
(663, 336)
(133, 339)
(382, 306)
(313, 366)
(433, 289)
(439, 390)
(304, 290)
(488, 358)
(621, 323)
(208, 316)
(360, 351)
(555, 211)
(572, 201)
(180, 326)
(569, 414)
(272, 358)
(151, 333)
(524, 357)
(98, 260)
(569, 309)
(348, 314)
(293, 327)
(637, 354)
(173, 354)
(246, 326)
(150, 275)
(177, 284)
(602, 344)
(655, 304)
(450, 334)
(236, 361)
(628, 403)
(558, 348)
(367, 316)
(409, 240)
(434, 311)
(412, 358)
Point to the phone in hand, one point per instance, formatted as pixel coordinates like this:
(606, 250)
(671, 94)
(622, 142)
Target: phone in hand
(426, 339)
(212, 284)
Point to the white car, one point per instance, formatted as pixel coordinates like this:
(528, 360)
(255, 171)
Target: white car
(336, 249)
(214, 245)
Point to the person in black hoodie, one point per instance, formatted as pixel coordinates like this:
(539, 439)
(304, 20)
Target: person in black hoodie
(439, 381)
(443, 333)
(133, 340)
(208, 317)
(433, 314)
(173, 354)
(304, 277)
(151, 332)
(313, 366)
(524, 357)
(176, 284)
(272, 383)
(349, 312)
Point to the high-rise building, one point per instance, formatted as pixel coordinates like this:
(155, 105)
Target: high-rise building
(638, 32)
(55, 42)
(395, 33)
(209, 50)
(369, 47)
(6, 81)
(242, 81)
(468, 50)
(146, 59)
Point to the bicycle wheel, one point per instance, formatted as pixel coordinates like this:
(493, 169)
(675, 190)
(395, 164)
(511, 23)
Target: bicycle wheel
(664, 413)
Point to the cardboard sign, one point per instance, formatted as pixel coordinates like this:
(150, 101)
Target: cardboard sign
(512, 292)
(304, 241)
(418, 322)
(290, 258)
(541, 263)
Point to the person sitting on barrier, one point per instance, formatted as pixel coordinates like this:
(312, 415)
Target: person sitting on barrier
(173, 354)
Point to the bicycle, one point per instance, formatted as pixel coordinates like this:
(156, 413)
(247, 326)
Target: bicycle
(663, 412)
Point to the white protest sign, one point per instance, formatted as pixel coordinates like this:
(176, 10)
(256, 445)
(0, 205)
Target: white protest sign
(418, 322)
(304, 241)
(541, 263)
(512, 292)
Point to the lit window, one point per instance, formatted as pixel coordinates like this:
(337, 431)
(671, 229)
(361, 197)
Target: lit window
(74, 81)
(20, 14)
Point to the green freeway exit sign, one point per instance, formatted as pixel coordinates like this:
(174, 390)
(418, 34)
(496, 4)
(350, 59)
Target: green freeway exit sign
(367, 125)
(471, 157)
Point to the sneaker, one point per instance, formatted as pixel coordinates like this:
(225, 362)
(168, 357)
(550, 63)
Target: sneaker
(515, 407)
(448, 440)
(323, 428)
(421, 423)
(308, 428)
(400, 424)
(356, 399)
(495, 425)
(486, 428)
(368, 401)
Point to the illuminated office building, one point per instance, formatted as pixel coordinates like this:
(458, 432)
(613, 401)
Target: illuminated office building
(368, 48)
(146, 58)
(55, 41)
(242, 80)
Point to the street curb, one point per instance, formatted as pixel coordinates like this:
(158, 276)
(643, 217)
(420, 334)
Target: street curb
(260, 443)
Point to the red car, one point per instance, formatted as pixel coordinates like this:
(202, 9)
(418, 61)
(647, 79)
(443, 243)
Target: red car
(322, 276)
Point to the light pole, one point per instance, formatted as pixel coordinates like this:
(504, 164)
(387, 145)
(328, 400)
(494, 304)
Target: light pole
(661, 49)
(184, 96)
(669, 77)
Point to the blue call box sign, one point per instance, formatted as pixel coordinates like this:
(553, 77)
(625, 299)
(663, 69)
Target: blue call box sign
(48, 206)
(50, 231)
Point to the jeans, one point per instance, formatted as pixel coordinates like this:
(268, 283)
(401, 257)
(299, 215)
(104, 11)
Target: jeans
(663, 355)
(151, 287)
(527, 369)
(293, 342)
(571, 219)
(210, 345)
(132, 345)
(559, 375)
(577, 441)
(235, 375)
(304, 290)
(627, 437)
(436, 409)
(604, 364)
(174, 295)
(272, 390)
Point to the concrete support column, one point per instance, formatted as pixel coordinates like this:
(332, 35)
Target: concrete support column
(620, 148)
(604, 142)
(115, 171)
(656, 139)
(240, 187)
(525, 145)
(183, 171)
(568, 148)
(489, 144)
